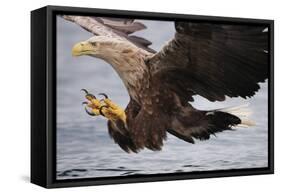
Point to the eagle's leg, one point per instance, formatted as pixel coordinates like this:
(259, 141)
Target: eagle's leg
(93, 103)
(112, 111)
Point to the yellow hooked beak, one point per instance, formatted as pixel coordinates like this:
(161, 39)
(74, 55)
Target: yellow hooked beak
(82, 48)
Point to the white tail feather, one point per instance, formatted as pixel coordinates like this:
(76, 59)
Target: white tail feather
(243, 112)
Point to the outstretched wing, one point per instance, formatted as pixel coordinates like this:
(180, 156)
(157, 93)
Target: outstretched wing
(113, 27)
(213, 60)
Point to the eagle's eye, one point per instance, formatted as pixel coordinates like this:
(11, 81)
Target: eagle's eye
(94, 43)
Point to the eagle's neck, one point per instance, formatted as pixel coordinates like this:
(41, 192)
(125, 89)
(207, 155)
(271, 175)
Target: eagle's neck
(130, 65)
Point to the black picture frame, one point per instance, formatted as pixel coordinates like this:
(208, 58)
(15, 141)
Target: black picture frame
(43, 98)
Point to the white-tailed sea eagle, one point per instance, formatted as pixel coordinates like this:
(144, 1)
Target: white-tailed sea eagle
(206, 59)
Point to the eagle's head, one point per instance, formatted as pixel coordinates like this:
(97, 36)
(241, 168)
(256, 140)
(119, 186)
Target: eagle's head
(102, 47)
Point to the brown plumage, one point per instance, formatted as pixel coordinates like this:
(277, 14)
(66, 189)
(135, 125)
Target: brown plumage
(206, 59)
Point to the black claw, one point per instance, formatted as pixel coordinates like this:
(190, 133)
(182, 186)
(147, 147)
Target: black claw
(84, 90)
(103, 94)
(100, 110)
(87, 93)
(84, 103)
(91, 95)
(89, 113)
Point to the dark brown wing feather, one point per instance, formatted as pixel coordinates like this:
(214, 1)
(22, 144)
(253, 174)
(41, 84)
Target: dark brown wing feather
(124, 27)
(213, 60)
(121, 136)
(128, 26)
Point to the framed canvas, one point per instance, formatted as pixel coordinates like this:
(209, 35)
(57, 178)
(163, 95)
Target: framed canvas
(125, 96)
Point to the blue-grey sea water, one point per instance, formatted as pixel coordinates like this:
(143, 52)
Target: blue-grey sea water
(84, 148)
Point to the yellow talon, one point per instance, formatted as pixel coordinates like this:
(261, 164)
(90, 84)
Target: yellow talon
(96, 111)
(93, 103)
(104, 107)
(111, 104)
(111, 110)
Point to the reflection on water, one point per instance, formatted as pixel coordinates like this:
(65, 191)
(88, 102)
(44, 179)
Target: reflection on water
(84, 148)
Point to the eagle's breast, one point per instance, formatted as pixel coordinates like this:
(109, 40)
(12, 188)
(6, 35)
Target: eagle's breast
(130, 65)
